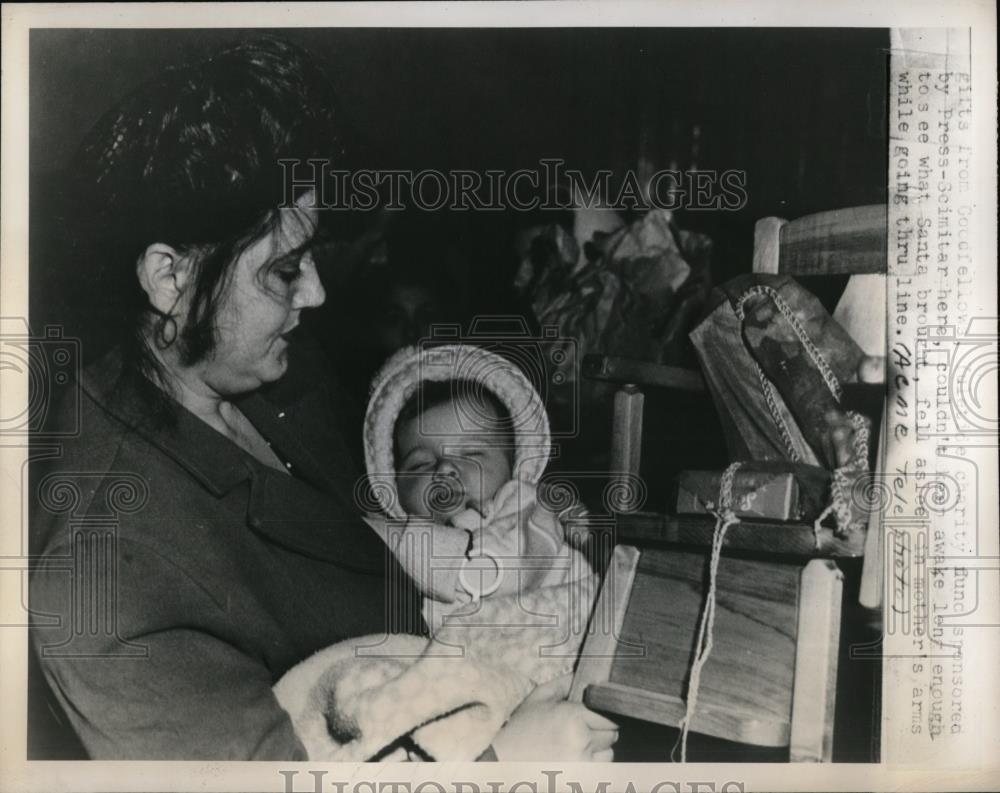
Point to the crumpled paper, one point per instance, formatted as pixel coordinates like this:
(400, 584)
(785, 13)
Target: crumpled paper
(635, 294)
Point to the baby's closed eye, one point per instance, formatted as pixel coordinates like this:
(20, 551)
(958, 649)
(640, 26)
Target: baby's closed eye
(415, 463)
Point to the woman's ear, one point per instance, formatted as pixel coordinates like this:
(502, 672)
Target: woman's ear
(163, 275)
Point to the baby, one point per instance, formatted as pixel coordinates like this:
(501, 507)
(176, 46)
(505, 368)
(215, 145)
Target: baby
(454, 449)
(456, 439)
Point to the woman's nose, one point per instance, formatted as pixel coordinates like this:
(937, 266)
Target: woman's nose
(309, 291)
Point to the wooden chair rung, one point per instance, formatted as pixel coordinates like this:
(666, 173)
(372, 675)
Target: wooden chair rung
(645, 374)
(598, 651)
(815, 690)
(728, 723)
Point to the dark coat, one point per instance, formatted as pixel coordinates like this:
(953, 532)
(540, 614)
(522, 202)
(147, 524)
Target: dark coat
(178, 578)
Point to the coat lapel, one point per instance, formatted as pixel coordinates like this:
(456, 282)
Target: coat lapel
(312, 512)
(301, 434)
(300, 518)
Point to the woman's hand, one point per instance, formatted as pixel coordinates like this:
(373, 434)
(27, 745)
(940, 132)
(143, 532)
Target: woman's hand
(545, 727)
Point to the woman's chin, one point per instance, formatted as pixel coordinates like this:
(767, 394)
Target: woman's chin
(275, 366)
(249, 380)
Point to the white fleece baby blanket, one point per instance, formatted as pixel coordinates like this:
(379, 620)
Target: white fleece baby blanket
(408, 697)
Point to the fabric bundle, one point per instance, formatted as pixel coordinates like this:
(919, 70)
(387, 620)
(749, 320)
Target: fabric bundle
(775, 363)
(634, 294)
(402, 697)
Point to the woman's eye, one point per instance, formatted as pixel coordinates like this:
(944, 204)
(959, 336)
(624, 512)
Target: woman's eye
(286, 269)
(289, 274)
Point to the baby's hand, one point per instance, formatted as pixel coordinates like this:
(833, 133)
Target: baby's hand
(469, 519)
(545, 728)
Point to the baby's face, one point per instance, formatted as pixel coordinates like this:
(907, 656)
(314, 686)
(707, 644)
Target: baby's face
(441, 469)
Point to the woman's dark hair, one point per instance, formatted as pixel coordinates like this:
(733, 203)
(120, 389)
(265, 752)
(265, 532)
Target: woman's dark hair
(192, 159)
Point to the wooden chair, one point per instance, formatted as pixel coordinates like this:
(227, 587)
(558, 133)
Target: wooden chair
(770, 679)
(850, 242)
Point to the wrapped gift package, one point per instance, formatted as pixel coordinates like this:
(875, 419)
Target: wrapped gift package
(790, 421)
(780, 491)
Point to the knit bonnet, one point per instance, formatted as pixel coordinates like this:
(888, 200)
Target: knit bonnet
(402, 375)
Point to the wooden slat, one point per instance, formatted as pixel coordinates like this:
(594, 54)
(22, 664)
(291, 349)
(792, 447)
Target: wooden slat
(602, 640)
(664, 709)
(844, 241)
(861, 312)
(613, 369)
(750, 670)
(872, 571)
(793, 539)
(815, 690)
(766, 240)
(626, 436)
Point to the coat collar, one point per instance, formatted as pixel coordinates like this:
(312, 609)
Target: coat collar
(213, 460)
(313, 513)
(295, 414)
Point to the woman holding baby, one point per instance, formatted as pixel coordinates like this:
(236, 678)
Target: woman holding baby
(241, 550)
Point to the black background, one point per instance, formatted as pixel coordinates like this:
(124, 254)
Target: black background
(801, 111)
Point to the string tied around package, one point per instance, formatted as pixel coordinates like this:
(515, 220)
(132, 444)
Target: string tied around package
(725, 517)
